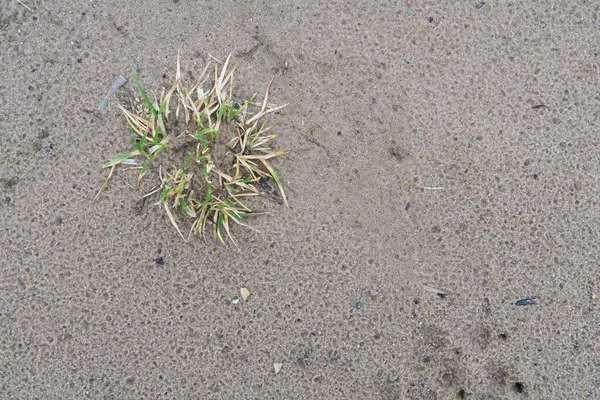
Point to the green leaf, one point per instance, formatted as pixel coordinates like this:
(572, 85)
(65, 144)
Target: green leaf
(209, 195)
(120, 159)
(161, 125)
(185, 206)
(147, 164)
(187, 161)
(205, 171)
(164, 195)
(139, 146)
(144, 95)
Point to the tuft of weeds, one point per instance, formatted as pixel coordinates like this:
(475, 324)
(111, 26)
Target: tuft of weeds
(221, 168)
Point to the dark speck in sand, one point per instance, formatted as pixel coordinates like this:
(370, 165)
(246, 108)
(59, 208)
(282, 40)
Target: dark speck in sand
(526, 302)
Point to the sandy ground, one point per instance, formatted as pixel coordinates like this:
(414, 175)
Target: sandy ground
(496, 103)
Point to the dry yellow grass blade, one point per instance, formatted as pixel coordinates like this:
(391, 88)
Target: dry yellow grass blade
(105, 184)
(166, 99)
(251, 167)
(276, 179)
(223, 175)
(219, 79)
(140, 125)
(172, 219)
(417, 186)
(263, 113)
(226, 225)
(201, 79)
(267, 156)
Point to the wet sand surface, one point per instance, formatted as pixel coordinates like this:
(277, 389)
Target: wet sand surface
(371, 284)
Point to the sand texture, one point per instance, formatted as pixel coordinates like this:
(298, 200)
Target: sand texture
(444, 164)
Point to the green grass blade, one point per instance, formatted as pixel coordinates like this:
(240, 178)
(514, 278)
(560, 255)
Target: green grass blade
(119, 160)
(144, 95)
(185, 207)
(276, 179)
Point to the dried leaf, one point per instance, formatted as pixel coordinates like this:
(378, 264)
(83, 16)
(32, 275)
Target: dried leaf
(245, 293)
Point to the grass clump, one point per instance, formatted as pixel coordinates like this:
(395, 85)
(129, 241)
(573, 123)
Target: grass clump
(225, 157)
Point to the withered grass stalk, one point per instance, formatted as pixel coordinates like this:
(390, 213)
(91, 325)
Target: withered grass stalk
(217, 174)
